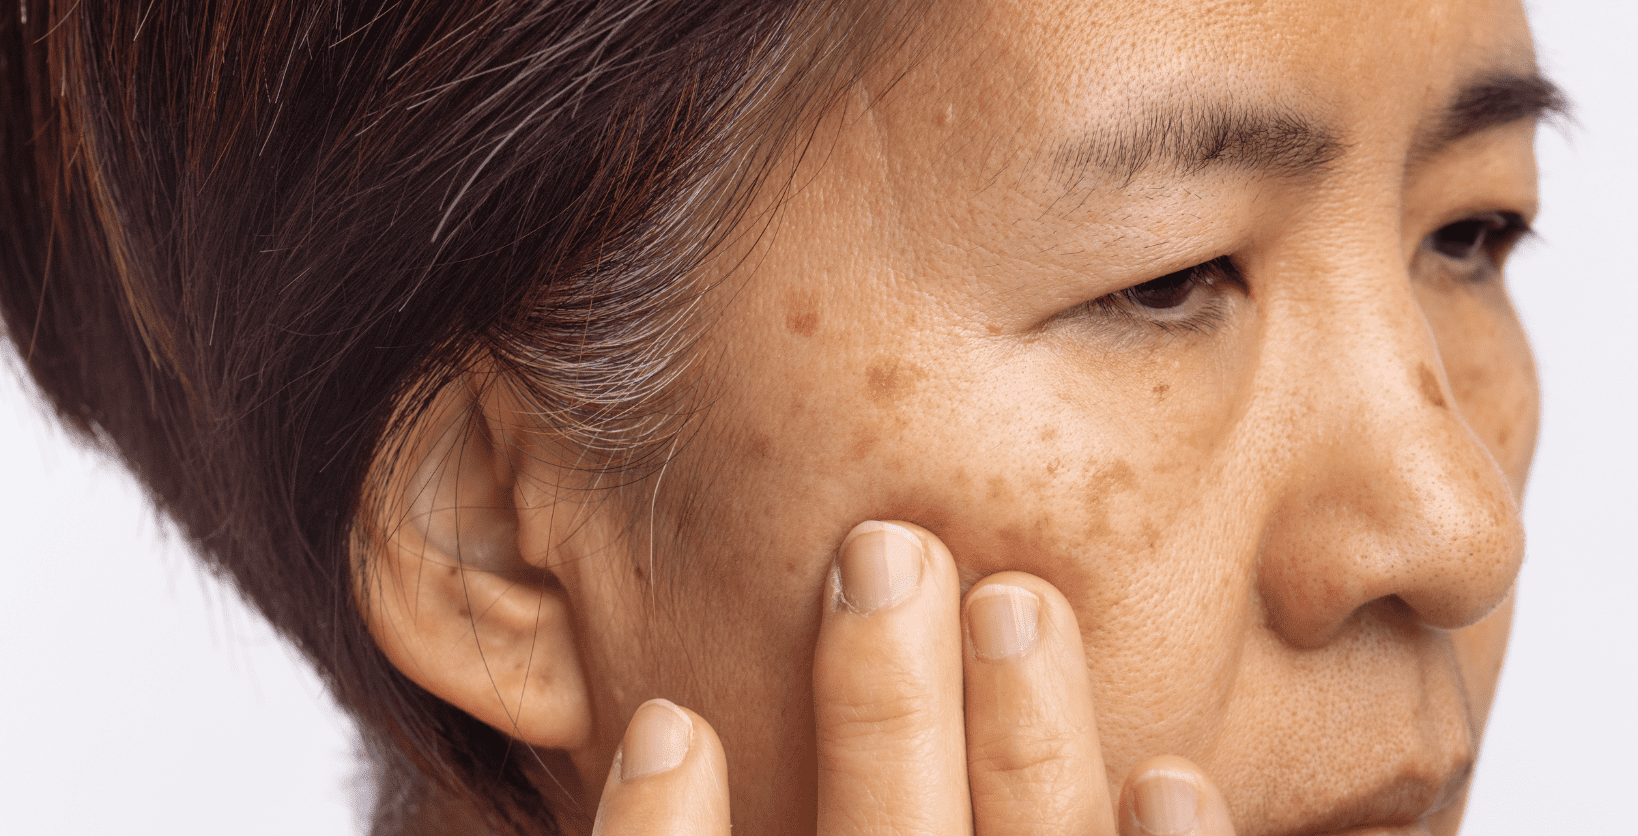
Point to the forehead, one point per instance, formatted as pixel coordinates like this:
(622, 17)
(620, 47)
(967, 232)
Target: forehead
(1050, 69)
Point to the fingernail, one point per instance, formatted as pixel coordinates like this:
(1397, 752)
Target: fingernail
(1166, 803)
(1003, 621)
(880, 564)
(656, 741)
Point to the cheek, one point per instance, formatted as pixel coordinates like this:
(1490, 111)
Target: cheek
(1088, 470)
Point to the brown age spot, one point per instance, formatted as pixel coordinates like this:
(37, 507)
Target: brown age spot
(803, 323)
(864, 440)
(760, 446)
(1161, 389)
(1430, 386)
(1112, 478)
(890, 379)
(998, 489)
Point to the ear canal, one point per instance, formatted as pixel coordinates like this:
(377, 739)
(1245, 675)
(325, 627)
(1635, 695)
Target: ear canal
(461, 501)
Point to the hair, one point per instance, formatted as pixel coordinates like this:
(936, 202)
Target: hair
(245, 241)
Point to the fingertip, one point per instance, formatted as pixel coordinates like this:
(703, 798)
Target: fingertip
(1170, 796)
(668, 776)
(657, 740)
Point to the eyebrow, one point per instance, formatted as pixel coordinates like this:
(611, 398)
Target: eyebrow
(1492, 101)
(1194, 137)
(1275, 142)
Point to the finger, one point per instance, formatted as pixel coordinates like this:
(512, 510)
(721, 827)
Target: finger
(1033, 759)
(1169, 796)
(669, 777)
(887, 688)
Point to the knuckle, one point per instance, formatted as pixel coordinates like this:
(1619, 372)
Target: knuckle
(1025, 756)
(873, 716)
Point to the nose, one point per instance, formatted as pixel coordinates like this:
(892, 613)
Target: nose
(1384, 492)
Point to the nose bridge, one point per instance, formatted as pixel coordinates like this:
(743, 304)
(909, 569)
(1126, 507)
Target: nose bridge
(1385, 491)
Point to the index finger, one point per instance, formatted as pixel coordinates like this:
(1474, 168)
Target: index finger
(887, 689)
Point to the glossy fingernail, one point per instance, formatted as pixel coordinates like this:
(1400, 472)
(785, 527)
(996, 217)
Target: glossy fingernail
(1003, 621)
(879, 565)
(1166, 803)
(656, 741)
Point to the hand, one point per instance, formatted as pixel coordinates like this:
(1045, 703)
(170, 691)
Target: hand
(898, 751)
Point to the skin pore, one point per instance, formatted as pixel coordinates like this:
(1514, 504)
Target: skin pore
(1264, 418)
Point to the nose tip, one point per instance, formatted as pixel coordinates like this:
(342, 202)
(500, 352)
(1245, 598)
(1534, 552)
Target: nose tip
(1414, 509)
(1462, 533)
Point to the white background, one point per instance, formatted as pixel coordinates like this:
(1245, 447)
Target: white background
(138, 696)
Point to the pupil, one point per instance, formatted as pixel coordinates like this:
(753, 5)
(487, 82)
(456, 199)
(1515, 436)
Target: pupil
(1461, 240)
(1168, 291)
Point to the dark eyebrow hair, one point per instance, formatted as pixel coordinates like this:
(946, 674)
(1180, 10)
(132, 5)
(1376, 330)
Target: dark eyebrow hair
(1492, 101)
(1195, 137)
(1273, 141)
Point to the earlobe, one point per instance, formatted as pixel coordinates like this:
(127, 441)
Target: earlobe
(447, 594)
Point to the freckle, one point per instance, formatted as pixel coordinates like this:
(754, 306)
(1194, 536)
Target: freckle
(1049, 433)
(863, 442)
(1430, 387)
(998, 489)
(465, 614)
(790, 567)
(804, 323)
(1010, 537)
(961, 477)
(760, 446)
(1161, 389)
(1109, 479)
(994, 329)
(889, 380)
(1054, 466)
(797, 406)
(1504, 436)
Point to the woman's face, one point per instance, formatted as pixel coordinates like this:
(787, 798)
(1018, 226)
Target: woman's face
(1280, 489)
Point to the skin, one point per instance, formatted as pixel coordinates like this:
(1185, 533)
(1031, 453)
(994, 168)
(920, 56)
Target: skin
(1283, 540)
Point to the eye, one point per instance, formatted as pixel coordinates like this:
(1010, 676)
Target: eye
(1491, 235)
(1187, 300)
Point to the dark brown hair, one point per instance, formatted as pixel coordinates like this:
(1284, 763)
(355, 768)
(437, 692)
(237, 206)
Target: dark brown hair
(240, 236)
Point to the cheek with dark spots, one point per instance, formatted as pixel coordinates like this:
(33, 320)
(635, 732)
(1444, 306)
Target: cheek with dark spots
(1111, 478)
(803, 323)
(891, 380)
(1430, 386)
(864, 440)
(998, 490)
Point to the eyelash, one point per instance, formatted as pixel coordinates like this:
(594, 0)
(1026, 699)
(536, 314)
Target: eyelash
(1493, 233)
(1136, 303)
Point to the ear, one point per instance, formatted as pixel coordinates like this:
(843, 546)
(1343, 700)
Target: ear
(446, 591)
